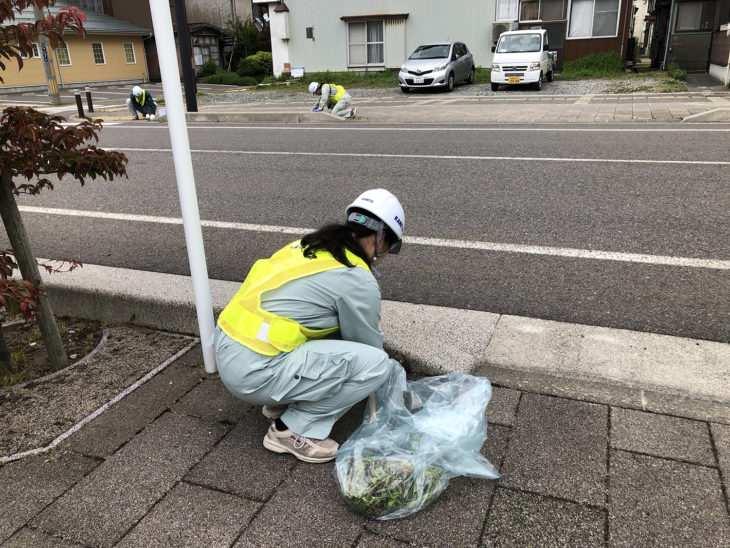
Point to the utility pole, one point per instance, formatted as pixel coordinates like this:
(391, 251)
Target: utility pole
(53, 93)
(183, 42)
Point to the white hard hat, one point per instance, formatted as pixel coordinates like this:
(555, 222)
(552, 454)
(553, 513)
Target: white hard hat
(383, 205)
(313, 87)
(137, 91)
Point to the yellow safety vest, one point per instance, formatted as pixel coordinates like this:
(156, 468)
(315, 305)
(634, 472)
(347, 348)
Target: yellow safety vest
(245, 321)
(338, 95)
(144, 96)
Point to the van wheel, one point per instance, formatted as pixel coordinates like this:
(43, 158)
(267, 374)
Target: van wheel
(450, 82)
(470, 79)
(538, 84)
(495, 87)
(550, 76)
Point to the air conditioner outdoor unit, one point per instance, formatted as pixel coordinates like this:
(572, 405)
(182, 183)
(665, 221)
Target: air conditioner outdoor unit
(497, 29)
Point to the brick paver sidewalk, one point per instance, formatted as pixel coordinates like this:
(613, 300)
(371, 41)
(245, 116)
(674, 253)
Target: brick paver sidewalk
(179, 462)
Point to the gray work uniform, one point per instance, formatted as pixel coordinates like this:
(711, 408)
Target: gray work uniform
(320, 379)
(341, 108)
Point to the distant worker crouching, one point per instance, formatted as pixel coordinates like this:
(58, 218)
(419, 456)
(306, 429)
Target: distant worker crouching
(334, 97)
(141, 101)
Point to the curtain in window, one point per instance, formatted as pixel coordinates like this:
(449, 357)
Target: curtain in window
(605, 16)
(581, 18)
(507, 10)
(375, 34)
(358, 48)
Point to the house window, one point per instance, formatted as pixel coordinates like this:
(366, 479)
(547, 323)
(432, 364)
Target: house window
(201, 54)
(96, 5)
(129, 53)
(36, 51)
(593, 18)
(98, 50)
(542, 10)
(694, 16)
(62, 54)
(365, 43)
(507, 10)
(530, 10)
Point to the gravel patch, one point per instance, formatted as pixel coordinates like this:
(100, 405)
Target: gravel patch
(558, 87)
(31, 416)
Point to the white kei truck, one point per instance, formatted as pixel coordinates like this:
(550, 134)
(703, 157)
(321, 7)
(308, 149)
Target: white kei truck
(522, 57)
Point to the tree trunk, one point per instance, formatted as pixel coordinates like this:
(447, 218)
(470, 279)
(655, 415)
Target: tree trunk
(4, 352)
(29, 270)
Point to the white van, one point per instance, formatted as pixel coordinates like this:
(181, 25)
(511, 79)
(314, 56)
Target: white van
(522, 57)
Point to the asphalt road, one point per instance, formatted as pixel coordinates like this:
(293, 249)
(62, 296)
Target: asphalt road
(507, 220)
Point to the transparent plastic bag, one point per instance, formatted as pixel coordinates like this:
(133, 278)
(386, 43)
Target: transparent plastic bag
(415, 437)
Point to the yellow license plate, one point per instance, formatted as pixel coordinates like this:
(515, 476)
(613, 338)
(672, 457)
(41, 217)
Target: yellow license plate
(513, 80)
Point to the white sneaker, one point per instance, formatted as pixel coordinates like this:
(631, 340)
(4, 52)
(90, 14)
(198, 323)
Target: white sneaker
(306, 449)
(152, 116)
(147, 116)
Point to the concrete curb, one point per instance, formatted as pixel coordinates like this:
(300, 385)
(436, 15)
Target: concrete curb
(660, 373)
(286, 117)
(714, 115)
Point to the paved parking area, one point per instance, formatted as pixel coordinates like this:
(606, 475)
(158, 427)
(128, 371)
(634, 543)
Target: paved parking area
(99, 94)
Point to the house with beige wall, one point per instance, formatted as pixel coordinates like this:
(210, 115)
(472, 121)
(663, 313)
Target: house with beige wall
(111, 53)
(207, 20)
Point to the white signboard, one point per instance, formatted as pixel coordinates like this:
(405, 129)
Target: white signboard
(297, 72)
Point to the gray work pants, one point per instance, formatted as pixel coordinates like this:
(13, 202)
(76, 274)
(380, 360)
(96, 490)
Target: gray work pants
(319, 381)
(342, 107)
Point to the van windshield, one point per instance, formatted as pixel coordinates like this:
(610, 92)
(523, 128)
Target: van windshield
(430, 52)
(518, 43)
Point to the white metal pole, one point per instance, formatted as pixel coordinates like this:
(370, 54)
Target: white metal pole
(167, 55)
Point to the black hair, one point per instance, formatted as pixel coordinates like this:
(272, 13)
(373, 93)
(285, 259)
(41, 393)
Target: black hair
(335, 238)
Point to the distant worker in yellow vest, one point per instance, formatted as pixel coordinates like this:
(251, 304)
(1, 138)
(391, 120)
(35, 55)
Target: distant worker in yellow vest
(301, 335)
(334, 97)
(141, 101)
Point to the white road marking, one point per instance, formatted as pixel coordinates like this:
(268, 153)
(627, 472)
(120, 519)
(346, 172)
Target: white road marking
(411, 240)
(435, 156)
(531, 129)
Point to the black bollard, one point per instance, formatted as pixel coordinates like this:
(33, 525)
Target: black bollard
(79, 106)
(88, 99)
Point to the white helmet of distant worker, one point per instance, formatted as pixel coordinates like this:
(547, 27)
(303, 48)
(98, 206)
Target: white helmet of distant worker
(385, 207)
(314, 86)
(137, 91)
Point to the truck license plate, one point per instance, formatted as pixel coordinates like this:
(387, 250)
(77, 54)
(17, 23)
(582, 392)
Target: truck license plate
(513, 80)
(418, 80)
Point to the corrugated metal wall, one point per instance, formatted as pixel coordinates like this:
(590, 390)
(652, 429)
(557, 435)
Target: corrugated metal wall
(395, 42)
(428, 21)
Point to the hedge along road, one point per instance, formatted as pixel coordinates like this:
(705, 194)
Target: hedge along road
(617, 228)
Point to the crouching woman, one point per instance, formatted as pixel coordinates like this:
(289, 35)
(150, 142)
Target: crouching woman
(301, 335)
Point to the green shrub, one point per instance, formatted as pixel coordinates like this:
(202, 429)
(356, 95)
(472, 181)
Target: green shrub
(374, 79)
(675, 72)
(595, 65)
(259, 65)
(482, 75)
(209, 68)
(229, 79)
